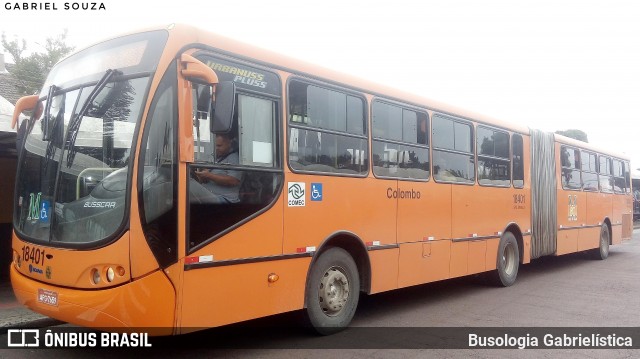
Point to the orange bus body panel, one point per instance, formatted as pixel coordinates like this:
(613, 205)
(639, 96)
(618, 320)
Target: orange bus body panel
(250, 240)
(424, 262)
(384, 270)
(622, 217)
(567, 242)
(427, 217)
(345, 207)
(229, 294)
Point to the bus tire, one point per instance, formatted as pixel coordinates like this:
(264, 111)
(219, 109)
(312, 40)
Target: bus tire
(333, 291)
(602, 252)
(507, 261)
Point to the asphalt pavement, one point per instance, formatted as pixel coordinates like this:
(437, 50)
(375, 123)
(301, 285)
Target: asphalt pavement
(14, 315)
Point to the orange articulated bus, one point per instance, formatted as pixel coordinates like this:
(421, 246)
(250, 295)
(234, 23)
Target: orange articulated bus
(176, 180)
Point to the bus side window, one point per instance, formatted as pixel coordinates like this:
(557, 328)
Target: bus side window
(589, 173)
(400, 148)
(214, 208)
(604, 174)
(618, 177)
(327, 130)
(453, 159)
(570, 168)
(493, 157)
(627, 176)
(256, 131)
(158, 172)
(518, 163)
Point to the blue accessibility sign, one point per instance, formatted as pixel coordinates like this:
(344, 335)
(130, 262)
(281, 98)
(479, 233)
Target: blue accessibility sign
(316, 191)
(45, 211)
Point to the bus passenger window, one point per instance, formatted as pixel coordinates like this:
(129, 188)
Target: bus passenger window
(493, 157)
(327, 131)
(619, 182)
(399, 142)
(453, 159)
(570, 168)
(589, 172)
(627, 176)
(604, 174)
(518, 164)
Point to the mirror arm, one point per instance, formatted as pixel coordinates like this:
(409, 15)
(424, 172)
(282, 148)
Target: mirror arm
(194, 70)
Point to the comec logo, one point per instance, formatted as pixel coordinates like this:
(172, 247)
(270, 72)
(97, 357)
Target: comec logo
(296, 194)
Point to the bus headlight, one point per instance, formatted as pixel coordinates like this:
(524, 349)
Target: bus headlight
(17, 259)
(110, 274)
(95, 276)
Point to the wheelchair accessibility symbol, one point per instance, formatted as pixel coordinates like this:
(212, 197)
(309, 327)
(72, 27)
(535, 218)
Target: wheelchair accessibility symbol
(45, 211)
(316, 191)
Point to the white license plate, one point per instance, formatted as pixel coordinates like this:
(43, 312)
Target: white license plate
(48, 297)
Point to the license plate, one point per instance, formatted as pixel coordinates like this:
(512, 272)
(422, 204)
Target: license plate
(48, 297)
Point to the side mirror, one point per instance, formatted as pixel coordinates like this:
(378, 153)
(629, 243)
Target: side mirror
(24, 104)
(224, 107)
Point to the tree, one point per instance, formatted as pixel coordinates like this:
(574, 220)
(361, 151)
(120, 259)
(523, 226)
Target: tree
(575, 134)
(31, 71)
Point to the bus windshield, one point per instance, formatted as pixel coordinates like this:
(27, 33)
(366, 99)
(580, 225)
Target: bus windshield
(73, 175)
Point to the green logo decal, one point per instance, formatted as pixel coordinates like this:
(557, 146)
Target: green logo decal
(34, 206)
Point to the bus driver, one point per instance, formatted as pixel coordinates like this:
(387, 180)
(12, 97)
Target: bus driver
(223, 183)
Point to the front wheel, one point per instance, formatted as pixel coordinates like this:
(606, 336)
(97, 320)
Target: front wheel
(332, 292)
(507, 261)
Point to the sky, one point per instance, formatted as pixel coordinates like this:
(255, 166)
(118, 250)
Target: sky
(551, 65)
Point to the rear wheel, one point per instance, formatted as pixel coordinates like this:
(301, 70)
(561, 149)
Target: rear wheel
(507, 261)
(602, 252)
(332, 293)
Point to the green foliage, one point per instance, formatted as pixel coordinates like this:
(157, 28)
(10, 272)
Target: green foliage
(31, 71)
(575, 134)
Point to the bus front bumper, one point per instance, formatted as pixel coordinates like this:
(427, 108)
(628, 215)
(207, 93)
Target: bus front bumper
(143, 305)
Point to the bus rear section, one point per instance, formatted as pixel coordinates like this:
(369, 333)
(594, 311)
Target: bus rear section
(581, 197)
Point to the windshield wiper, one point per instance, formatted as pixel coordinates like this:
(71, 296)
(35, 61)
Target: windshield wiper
(46, 136)
(74, 124)
(49, 134)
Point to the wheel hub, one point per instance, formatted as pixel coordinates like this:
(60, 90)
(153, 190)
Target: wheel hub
(333, 291)
(508, 259)
(604, 243)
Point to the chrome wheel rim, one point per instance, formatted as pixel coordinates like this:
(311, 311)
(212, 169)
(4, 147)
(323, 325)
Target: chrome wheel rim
(604, 243)
(333, 291)
(509, 259)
